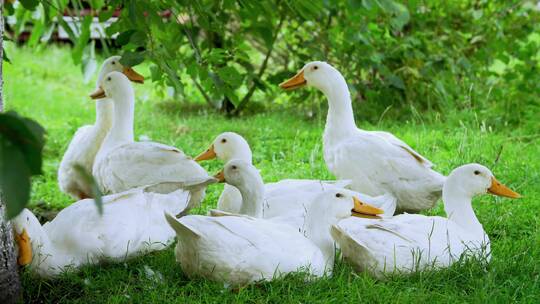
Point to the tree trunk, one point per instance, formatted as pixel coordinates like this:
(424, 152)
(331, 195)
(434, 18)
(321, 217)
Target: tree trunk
(10, 284)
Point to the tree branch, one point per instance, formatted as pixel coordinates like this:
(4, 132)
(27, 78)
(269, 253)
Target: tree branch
(262, 69)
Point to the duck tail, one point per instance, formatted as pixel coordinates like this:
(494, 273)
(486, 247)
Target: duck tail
(179, 227)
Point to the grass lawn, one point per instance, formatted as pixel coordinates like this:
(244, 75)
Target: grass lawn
(45, 85)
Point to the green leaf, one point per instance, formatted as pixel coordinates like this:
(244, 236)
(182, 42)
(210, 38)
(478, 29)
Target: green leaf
(124, 37)
(14, 178)
(83, 38)
(5, 56)
(29, 4)
(230, 75)
(138, 38)
(396, 81)
(132, 58)
(105, 15)
(90, 180)
(27, 135)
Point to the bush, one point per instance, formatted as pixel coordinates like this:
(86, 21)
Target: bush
(425, 58)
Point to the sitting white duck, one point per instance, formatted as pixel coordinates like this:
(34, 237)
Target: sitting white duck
(411, 242)
(283, 197)
(376, 162)
(132, 224)
(240, 249)
(87, 140)
(123, 163)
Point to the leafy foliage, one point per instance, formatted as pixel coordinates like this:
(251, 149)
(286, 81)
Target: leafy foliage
(400, 59)
(89, 179)
(21, 144)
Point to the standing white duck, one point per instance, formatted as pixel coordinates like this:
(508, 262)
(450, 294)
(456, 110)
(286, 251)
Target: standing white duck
(411, 242)
(241, 249)
(376, 162)
(87, 140)
(132, 224)
(279, 197)
(122, 163)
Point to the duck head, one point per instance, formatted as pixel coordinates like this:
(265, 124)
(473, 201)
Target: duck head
(227, 146)
(318, 74)
(114, 84)
(112, 64)
(474, 179)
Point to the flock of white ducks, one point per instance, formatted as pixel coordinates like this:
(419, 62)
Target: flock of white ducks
(259, 231)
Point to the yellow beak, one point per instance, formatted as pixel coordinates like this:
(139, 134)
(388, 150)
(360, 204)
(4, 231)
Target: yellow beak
(206, 155)
(25, 248)
(98, 94)
(296, 82)
(362, 209)
(220, 176)
(132, 75)
(501, 190)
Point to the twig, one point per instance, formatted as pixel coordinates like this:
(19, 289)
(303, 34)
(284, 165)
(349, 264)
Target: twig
(498, 156)
(262, 69)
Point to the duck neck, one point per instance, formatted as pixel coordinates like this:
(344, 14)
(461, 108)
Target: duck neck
(459, 210)
(340, 118)
(252, 200)
(122, 126)
(317, 229)
(104, 114)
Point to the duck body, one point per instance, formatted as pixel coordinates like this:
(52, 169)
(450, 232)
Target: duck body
(82, 150)
(132, 224)
(278, 196)
(122, 163)
(87, 141)
(407, 243)
(376, 162)
(288, 198)
(377, 165)
(240, 250)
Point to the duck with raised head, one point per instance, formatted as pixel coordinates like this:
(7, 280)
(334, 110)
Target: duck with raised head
(412, 242)
(243, 249)
(281, 197)
(377, 162)
(87, 140)
(122, 163)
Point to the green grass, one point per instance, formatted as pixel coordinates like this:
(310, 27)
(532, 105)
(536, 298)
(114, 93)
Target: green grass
(45, 85)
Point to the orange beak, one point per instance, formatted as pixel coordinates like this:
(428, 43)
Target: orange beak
(220, 176)
(132, 75)
(501, 190)
(364, 210)
(296, 82)
(98, 94)
(206, 155)
(25, 248)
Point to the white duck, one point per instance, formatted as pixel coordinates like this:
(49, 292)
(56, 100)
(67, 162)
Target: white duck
(410, 242)
(283, 196)
(122, 163)
(376, 162)
(132, 224)
(241, 249)
(87, 140)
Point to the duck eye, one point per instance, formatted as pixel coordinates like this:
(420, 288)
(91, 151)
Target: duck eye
(224, 140)
(234, 167)
(109, 78)
(315, 67)
(113, 62)
(339, 195)
(476, 172)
